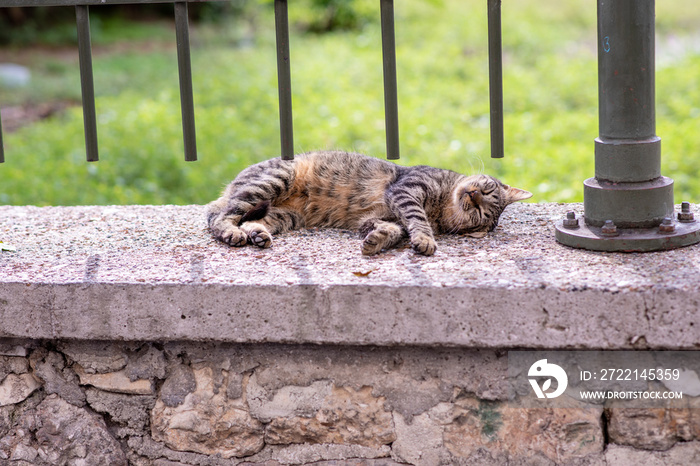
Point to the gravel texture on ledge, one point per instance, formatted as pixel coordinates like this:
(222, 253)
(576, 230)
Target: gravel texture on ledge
(155, 273)
(171, 244)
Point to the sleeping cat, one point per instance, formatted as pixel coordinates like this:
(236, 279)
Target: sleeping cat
(384, 201)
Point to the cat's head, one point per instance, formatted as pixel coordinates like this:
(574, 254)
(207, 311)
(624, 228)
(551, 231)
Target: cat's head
(477, 203)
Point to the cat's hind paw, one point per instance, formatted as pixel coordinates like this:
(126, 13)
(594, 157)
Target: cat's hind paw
(423, 244)
(261, 239)
(257, 234)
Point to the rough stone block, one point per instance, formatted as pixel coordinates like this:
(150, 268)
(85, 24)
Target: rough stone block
(207, 421)
(95, 357)
(346, 416)
(288, 401)
(654, 428)
(505, 429)
(12, 365)
(13, 347)
(16, 388)
(24, 452)
(421, 442)
(56, 432)
(180, 383)
(50, 367)
(298, 454)
(147, 363)
(118, 382)
(130, 413)
(683, 454)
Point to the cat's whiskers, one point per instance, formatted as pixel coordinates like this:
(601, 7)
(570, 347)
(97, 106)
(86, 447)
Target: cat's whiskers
(457, 219)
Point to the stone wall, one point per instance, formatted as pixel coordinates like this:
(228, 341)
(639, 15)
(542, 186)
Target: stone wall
(170, 404)
(316, 354)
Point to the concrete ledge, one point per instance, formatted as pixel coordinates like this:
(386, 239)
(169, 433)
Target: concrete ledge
(153, 273)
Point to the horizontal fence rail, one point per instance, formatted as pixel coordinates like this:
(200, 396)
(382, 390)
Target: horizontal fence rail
(283, 72)
(23, 3)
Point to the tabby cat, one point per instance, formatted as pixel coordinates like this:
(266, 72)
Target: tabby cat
(384, 201)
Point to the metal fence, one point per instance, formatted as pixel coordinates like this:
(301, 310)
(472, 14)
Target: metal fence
(283, 71)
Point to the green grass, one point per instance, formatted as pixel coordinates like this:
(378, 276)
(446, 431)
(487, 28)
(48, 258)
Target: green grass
(550, 87)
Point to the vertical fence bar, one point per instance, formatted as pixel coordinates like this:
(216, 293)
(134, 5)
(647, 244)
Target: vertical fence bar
(82, 15)
(495, 78)
(284, 80)
(2, 146)
(182, 35)
(391, 107)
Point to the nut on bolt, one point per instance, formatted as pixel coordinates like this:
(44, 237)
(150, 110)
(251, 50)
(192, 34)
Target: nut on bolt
(685, 215)
(667, 226)
(571, 221)
(609, 229)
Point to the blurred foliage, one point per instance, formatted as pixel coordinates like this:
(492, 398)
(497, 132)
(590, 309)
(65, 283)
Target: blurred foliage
(550, 91)
(321, 16)
(56, 25)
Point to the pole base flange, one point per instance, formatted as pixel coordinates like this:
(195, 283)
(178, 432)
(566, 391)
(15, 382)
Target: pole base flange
(628, 239)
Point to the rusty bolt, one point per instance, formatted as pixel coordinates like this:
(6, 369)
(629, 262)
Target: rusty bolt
(685, 215)
(609, 229)
(667, 226)
(570, 221)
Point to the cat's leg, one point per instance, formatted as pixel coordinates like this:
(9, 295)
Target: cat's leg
(223, 225)
(408, 207)
(380, 234)
(277, 220)
(247, 199)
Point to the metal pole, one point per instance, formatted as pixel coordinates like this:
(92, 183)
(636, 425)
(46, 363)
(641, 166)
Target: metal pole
(391, 106)
(182, 35)
(495, 78)
(82, 15)
(628, 205)
(627, 150)
(284, 80)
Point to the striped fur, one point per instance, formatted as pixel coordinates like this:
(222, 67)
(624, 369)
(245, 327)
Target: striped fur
(384, 201)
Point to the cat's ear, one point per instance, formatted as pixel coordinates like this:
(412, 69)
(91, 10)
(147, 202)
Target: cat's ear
(515, 194)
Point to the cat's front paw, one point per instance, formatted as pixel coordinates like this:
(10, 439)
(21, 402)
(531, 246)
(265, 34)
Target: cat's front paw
(373, 243)
(423, 244)
(257, 234)
(234, 237)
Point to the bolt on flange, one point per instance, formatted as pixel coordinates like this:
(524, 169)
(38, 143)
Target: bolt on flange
(685, 215)
(609, 229)
(571, 221)
(667, 226)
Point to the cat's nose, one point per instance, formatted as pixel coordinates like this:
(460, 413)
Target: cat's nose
(475, 195)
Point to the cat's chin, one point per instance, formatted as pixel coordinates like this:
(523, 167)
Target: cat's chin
(476, 234)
